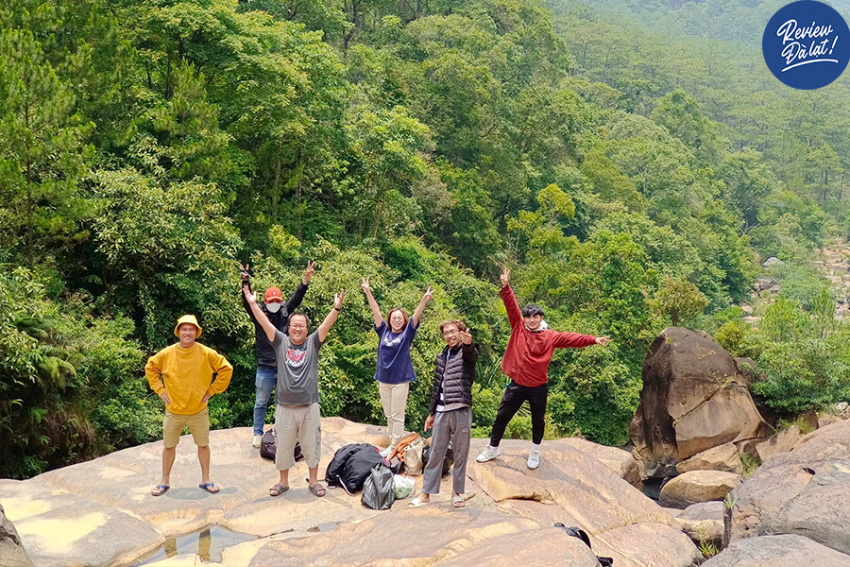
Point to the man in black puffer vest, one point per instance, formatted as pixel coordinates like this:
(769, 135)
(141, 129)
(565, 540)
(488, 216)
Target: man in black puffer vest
(451, 411)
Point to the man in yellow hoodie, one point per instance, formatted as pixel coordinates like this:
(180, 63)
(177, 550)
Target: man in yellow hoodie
(186, 375)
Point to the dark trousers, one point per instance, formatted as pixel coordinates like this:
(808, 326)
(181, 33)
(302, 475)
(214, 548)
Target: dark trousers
(514, 396)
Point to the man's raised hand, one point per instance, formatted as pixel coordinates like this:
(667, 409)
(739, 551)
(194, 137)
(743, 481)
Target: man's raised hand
(466, 336)
(505, 278)
(603, 340)
(338, 299)
(251, 297)
(244, 272)
(311, 268)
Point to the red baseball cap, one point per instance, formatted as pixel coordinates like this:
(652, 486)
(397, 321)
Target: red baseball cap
(273, 294)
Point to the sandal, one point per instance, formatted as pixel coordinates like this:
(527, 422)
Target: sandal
(318, 490)
(209, 487)
(159, 489)
(458, 501)
(277, 490)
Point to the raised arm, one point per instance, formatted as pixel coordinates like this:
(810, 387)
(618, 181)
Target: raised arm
(373, 305)
(261, 318)
(508, 297)
(246, 284)
(329, 321)
(417, 315)
(298, 295)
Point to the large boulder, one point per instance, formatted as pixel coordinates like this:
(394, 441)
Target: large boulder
(693, 398)
(12, 552)
(778, 551)
(698, 486)
(805, 491)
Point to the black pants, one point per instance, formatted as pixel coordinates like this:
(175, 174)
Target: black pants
(514, 396)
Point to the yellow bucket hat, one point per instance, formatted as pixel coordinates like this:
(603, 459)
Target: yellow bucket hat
(187, 319)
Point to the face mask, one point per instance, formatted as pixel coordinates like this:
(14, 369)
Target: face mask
(273, 307)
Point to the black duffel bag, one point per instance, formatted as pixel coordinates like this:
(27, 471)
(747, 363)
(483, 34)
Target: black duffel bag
(268, 447)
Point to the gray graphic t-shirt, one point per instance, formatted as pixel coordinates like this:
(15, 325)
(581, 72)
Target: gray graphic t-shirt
(297, 370)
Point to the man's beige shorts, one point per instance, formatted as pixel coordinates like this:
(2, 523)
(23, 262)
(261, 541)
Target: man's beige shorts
(199, 426)
(302, 424)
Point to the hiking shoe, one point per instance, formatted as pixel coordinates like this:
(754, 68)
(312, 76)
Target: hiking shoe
(258, 440)
(489, 454)
(533, 460)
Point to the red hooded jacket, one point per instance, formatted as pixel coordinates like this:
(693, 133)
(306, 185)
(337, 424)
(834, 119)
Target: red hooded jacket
(527, 359)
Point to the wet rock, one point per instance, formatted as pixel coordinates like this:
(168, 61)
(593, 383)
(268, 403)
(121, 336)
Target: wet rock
(698, 486)
(778, 551)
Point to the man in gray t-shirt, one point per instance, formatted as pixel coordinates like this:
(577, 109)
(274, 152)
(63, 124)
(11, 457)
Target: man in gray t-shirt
(297, 370)
(297, 417)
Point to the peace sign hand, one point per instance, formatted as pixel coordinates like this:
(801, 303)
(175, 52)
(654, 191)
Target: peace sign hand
(244, 272)
(311, 268)
(429, 294)
(364, 285)
(603, 340)
(338, 299)
(505, 278)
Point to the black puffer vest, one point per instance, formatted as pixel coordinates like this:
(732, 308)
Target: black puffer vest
(456, 378)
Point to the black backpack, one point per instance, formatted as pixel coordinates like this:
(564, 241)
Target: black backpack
(268, 447)
(448, 461)
(351, 465)
(582, 535)
(378, 489)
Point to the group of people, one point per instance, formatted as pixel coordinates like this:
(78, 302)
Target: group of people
(185, 375)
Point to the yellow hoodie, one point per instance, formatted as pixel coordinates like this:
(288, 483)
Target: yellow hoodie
(186, 374)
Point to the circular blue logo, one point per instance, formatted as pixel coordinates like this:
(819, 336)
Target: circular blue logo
(806, 44)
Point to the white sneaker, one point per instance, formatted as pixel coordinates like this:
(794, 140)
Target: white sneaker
(533, 460)
(385, 453)
(489, 454)
(258, 440)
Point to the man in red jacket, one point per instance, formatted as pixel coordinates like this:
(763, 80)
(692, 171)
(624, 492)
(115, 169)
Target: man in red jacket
(526, 362)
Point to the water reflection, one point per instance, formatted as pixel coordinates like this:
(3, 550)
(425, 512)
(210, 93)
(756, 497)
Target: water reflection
(208, 543)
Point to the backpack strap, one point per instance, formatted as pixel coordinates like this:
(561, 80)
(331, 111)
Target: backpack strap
(582, 535)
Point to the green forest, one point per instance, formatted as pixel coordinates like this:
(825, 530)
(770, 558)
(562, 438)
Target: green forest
(632, 162)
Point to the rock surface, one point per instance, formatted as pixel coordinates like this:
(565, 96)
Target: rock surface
(805, 492)
(721, 458)
(12, 553)
(101, 512)
(782, 442)
(778, 551)
(703, 522)
(698, 486)
(693, 399)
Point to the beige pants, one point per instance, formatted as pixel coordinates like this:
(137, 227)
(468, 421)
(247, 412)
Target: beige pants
(302, 424)
(394, 402)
